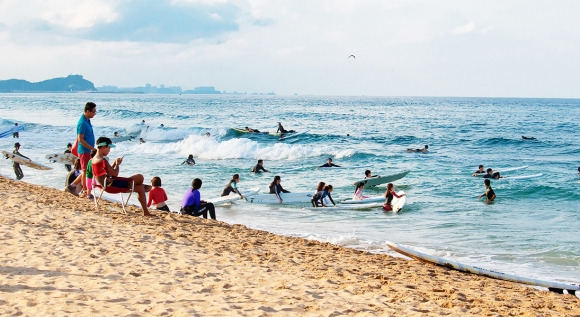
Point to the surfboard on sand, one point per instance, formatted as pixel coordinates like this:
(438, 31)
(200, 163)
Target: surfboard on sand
(368, 182)
(233, 197)
(65, 158)
(287, 198)
(553, 286)
(24, 161)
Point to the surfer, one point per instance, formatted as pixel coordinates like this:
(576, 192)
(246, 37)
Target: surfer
(68, 150)
(157, 195)
(141, 141)
(259, 168)
(232, 186)
(528, 138)
(17, 169)
(489, 193)
(189, 161)
(358, 195)
(368, 174)
(329, 164)
(276, 188)
(318, 198)
(389, 194)
(192, 203)
(116, 134)
(491, 174)
(252, 130)
(424, 150)
(282, 130)
(15, 130)
(109, 173)
(480, 170)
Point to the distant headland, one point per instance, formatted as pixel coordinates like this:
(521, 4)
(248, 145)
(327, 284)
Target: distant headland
(76, 83)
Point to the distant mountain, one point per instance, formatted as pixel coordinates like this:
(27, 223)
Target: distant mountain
(70, 83)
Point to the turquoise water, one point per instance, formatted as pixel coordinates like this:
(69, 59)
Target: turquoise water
(531, 229)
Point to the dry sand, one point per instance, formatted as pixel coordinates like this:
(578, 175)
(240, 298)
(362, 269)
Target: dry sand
(61, 257)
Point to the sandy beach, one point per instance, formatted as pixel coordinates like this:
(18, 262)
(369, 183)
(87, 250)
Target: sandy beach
(61, 257)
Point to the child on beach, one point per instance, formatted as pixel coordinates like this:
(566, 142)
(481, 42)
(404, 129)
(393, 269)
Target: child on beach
(157, 195)
(358, 192)
(389, 194)
(489, 193)
(192, 203)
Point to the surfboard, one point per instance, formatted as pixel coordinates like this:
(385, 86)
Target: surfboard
(342, 167)
(287, 198)
(347, 207)
(232, 197)
(398, 203)
(515, 178)
(290, 135)
(65, 158)
(293, 169)
(9, 132)
(372, 199)
(122, 138)
(240, 130)
(505, 170)
(382, 180)
(24, 161)
(479, 271)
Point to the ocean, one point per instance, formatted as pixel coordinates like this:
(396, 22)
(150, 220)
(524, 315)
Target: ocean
(530, 230)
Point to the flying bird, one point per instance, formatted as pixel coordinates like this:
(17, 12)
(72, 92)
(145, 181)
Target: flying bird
(352, 56)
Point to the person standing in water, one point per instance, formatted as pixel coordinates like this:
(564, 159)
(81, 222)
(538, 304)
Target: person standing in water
(232, 186)
(259, 167)
(489, 193)
(276, 188)
(389, 194)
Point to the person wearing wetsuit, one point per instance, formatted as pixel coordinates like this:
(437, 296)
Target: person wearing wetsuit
(189, 161)
(329, 164)
(276, 188)
(489, 193)
(480, 170)
(259, 167)
(318, 198)
(492, 174)
(232, 186)
(16, 166)
(424, 150)
(192, 203)
(282, 130)
(389, 194)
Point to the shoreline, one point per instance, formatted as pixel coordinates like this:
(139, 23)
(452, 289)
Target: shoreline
(62, 256)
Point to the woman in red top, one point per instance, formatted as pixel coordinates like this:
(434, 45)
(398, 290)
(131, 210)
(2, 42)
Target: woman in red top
(389, 197)
(157, 195)
(105, 172)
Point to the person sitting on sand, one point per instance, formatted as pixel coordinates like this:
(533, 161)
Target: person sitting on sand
(69, 184)
(489, 193)
(189, 161)
(192, 203)
(276, 188)
(157, 195)
(491, 174)
(259, 167)
(480, 170)
(109, 173)
(329, 164)
(424, 150)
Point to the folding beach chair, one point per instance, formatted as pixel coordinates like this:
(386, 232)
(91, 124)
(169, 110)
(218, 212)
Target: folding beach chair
(113, 190)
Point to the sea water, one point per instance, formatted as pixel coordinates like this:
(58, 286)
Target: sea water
(530, 230)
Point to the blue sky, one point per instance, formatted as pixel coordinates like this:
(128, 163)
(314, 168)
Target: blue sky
(402, 48)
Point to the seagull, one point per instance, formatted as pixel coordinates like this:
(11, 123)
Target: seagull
(352, 56)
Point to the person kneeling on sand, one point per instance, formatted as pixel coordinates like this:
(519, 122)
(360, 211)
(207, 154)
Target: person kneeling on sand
(105, 172)
(192, 203)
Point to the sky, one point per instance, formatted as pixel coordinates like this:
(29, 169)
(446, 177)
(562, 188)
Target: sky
(401, 47)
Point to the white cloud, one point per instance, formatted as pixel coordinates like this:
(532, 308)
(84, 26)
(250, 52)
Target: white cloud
(464, 29)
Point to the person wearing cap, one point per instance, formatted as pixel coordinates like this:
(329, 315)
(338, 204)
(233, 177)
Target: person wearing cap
(86, 139)
(424, 150)
(105, 172)
(17, 169)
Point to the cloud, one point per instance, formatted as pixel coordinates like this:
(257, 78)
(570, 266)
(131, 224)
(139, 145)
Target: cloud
(464, 29)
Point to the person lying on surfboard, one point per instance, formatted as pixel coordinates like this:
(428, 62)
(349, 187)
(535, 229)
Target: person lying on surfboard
(491, 174)
(329, 164)
(389, 194)
(424, 150)
(253, 130)
(282, 130)
(489, 193)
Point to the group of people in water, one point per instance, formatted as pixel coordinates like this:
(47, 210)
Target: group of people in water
(489, 193)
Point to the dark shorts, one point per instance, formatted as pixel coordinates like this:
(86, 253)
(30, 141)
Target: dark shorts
(118, 184)
(195, 211)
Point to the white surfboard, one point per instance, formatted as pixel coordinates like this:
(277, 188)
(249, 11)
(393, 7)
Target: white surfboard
(290, 135)
(293, 169)
(398, 203)
(348, 207)
(477, 270)
(24, 161)
(505, 170)
(515, 178)
(122, 138)
(65, 158)
(232, 197)
(372, 199)
(287, 198)
(382, 180)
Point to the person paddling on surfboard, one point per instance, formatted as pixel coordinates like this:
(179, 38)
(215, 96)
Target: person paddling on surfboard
(329, 164)
(424, 150)
(492, 174)
(489, 193)
(480, 170)
(389, 194)
(189, 161)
